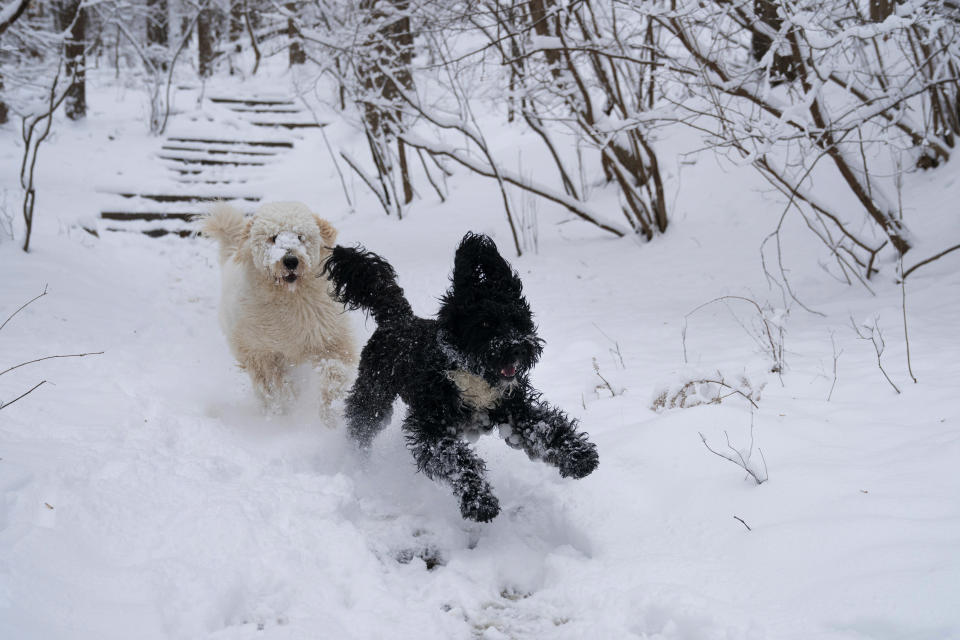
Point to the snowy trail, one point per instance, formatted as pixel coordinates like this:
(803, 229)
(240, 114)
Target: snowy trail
(145, 496)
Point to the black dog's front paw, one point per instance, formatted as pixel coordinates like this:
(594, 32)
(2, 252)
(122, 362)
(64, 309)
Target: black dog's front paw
(482, 507)
(580, 461)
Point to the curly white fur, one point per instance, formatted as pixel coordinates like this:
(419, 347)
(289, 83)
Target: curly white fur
(275, 309)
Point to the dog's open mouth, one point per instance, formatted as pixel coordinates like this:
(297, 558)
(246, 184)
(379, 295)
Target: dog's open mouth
(508, 371)
(290, 277)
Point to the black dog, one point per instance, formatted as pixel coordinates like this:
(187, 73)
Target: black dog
(460, 375)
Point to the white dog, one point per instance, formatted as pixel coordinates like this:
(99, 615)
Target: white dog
(275, 309)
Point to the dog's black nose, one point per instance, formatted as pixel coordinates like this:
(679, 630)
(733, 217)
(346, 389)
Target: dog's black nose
(290, 262)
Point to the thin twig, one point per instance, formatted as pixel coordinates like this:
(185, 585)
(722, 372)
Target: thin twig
(929, 260)
(4, 405)
(69, 355)
(903, 306)
(739, 460)
(742, 522)
(836, 357)
(596, 368)
(23, 307)
(872, 336)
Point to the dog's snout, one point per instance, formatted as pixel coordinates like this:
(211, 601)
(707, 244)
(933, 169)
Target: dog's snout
(291, 262)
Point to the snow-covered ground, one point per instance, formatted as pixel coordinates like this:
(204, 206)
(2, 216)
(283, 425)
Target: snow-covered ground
(143, 495)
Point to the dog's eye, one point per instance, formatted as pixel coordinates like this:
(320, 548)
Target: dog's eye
(273, 239)
(300, 237)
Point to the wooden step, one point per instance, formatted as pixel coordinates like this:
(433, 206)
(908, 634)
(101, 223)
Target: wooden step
(286, 144)
(198, 181)
(215, 150)
(264, 109)
(149, 215)
(254, 102)
(158, 232)
(235, 162)
(290, 125)
(176, 197)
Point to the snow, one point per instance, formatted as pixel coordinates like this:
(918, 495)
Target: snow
(284, 242)
(142, 493)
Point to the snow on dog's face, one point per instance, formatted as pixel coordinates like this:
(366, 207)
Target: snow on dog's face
(287, 242)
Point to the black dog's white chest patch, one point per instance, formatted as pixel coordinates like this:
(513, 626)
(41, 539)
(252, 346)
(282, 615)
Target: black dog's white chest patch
(475, 392)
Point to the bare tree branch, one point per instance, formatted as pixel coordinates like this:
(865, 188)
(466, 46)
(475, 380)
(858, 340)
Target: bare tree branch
(24, 306)
(4, 405)
(71, 355)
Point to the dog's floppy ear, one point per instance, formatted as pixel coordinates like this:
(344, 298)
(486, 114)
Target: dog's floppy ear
(327, 231)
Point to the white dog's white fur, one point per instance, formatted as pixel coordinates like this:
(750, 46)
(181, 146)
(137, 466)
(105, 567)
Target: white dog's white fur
(275, 309)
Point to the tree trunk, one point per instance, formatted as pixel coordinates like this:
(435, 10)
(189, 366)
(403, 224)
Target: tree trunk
(157, 37)
(392, 46)
(782, 67)
(297, 53)
(157, 22)
(4, 109)
(543, 26)
(880, 10)
(237, 11)
(205, 42)
(14, 15)
(73, 17)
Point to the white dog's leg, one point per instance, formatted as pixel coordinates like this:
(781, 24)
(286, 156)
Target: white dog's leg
(334, 378)
(336, 366)
(270, 376)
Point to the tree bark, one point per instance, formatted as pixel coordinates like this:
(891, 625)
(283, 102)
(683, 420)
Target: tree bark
(880, 10)
(157, 22)
(297, 53)
(782, 67)
(205, 42)
(238, 9)
(157, 36)
(73, 17)
(8, 22)
(4, 109)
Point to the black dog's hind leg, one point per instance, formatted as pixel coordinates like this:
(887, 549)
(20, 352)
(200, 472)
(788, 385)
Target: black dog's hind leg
(546, 433)
(368, 408)
(450, 460)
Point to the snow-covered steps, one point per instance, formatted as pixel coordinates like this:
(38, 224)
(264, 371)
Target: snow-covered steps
(218, 153)
(269, 111)
(161, 214)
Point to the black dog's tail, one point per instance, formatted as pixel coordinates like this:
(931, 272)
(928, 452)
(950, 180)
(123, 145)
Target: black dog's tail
(363, 280)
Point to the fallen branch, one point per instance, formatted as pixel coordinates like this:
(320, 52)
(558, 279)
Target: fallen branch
(4, 405)
(69, 355)
(25, 305)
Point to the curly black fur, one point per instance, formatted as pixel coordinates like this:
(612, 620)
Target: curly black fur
(465, 372)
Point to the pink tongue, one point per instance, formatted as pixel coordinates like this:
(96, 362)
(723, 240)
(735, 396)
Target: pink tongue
(508, 371)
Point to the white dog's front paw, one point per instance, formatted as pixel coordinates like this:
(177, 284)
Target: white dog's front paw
(334, 378)
(335, 374)
(276, 401)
